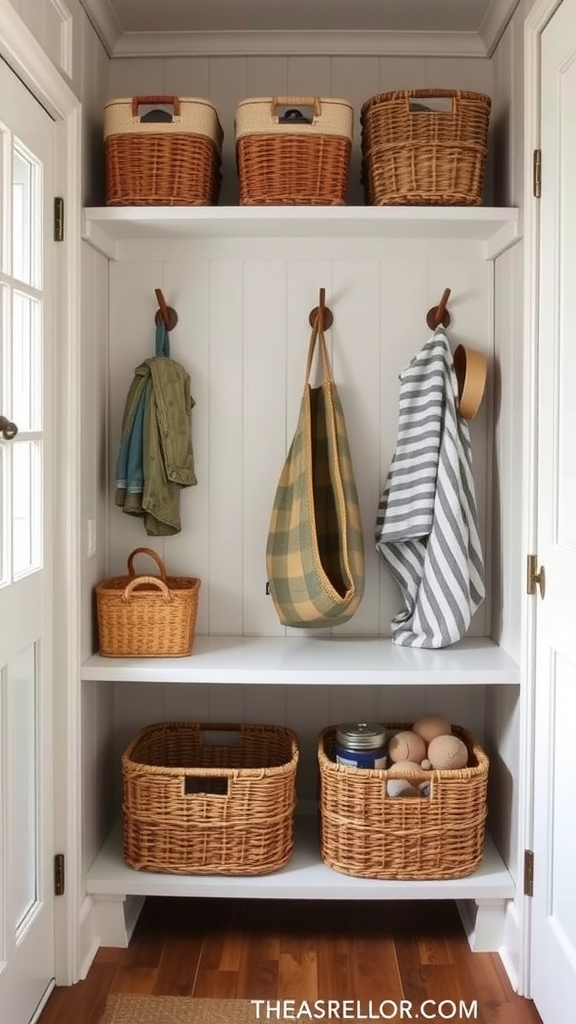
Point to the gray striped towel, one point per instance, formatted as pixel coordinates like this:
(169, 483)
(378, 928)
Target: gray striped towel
(427, 521)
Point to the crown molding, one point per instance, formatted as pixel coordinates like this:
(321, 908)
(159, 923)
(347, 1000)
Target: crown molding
(494, 23)
(251, 44)
(103, 18)
(354, 44)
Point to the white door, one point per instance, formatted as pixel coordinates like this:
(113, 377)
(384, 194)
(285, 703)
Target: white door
(26, 481)
(554, 904)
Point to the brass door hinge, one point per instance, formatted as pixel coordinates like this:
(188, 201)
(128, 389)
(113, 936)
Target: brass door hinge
(59, 879)
(528, 872)
(535, 577)
(58, 219)
(537, 173)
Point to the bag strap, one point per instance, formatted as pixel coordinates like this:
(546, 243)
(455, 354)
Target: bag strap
(318, 336)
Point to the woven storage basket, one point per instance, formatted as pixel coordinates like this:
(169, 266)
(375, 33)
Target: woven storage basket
(197, 803)
(287, 159)
(367, 833)
(174, 162)
(414, 155)
(147, 616)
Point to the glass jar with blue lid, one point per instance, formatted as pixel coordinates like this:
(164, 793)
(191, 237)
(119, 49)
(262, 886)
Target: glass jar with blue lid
(361, 745)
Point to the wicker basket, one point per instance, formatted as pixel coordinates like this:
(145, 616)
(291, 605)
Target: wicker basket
(293, 150)
(174, 161)
(210, 799)
(147, 616)
(420, 156)
(365, 832)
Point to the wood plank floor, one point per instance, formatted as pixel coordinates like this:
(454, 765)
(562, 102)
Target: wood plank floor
(301, 950)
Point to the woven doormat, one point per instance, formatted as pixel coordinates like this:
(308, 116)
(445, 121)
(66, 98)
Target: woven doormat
(133, 1009)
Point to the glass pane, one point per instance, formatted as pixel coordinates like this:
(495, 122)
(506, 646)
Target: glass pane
(26, 362)
(26, 506)
(23, 777)
(26, 221)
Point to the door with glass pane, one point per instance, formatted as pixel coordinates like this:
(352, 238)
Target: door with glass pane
(26, 520)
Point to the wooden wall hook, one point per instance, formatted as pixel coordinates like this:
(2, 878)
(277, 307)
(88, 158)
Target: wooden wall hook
(164, 312)
(321, 313)
(439, 314)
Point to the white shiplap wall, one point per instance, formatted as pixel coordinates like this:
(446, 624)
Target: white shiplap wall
(243, 335)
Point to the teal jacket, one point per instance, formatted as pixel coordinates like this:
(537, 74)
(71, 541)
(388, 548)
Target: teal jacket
(155, 458)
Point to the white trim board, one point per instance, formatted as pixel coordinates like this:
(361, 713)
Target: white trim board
(384, 44)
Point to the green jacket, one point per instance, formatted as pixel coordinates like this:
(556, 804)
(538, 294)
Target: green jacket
(156, 459)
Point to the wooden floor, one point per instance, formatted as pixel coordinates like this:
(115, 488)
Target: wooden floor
(260, 949)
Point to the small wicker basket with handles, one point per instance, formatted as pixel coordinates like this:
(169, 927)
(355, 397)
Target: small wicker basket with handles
(209, 798)
(425, 147)
(162, 157)
(369, 834)
(147, 616)
(293, 150)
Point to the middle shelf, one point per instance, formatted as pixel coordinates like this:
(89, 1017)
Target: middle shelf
(315, 660)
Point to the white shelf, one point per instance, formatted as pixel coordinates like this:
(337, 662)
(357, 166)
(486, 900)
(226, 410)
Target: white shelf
(106, 227)
(304, 877)
(314, 660)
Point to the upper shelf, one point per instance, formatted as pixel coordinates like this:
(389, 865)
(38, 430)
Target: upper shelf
(314, 660)
(495, 228)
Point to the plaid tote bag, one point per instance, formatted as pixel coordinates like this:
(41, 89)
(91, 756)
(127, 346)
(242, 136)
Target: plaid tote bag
(315, 548)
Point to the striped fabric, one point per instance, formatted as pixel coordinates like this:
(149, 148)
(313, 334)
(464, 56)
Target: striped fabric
(315, 547)
(427, 521)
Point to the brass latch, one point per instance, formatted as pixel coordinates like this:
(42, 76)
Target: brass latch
(536, 577)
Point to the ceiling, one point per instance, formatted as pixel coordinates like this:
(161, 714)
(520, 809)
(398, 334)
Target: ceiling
(140, 27)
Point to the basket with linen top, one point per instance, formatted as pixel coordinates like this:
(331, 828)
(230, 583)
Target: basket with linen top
(162, 151)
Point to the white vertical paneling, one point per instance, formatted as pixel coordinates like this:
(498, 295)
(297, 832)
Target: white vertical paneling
(223, 587)
(132, 336)
(95, 492)
(402, 73)
(266, 704)
(185, 703)
(136, 77)
(460, 73)
(186, 288)
(307, 714)
(266, 76)
(136, 705)
(506, 512)
(228, 85)
(100, 767)
(309, 76)
(502, 746)
(187, 76)
(243, 335)
(357, 358)
(355, 81)
(264, 428)
(400, 703)
(226, 704)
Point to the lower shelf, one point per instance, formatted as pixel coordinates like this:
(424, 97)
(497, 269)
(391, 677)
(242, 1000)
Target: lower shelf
(304, 877)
